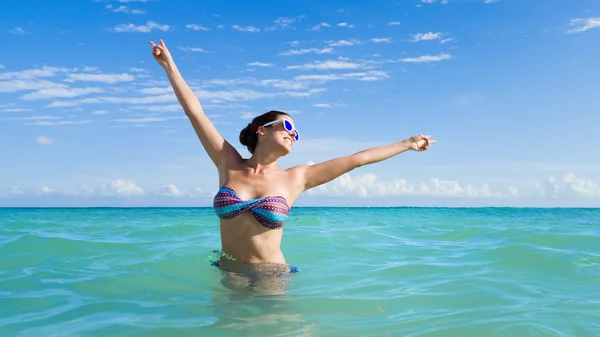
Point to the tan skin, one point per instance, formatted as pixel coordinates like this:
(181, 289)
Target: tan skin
(243, 237)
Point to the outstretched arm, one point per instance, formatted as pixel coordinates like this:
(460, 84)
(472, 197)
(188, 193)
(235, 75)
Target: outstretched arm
(318, 174)
(219, 150)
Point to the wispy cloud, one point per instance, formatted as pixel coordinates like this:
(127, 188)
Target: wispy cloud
(328, 105)
(193, 49)
(148, 119)
(394, 23)
(248, 29)
(260, 64)
(43, 140)
(381, 40)
(59, 93)
(193, 26)
(307, 51)
(124, 9)
(284, 23)
(102, 78)
(320, 25)
(325, 65)
(583, 24)
(345, 24)
(61, 122)
(427, 58)
(18, 31)
(426, 36)
(23, 85)
(147, 28)
(343, 43)
(372, 75)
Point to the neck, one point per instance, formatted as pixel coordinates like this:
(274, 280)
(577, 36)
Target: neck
(261, 160)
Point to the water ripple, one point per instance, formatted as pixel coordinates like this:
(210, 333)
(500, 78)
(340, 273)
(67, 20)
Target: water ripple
(367, 272)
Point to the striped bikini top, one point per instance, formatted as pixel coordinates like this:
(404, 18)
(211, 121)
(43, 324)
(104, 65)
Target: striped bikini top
(271, 212)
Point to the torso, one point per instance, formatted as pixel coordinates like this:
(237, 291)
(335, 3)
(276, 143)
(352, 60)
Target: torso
(243, 236)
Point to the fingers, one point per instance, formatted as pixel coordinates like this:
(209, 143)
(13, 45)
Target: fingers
(162, 43)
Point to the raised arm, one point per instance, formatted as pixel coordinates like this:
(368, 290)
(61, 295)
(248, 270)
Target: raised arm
(218, 149)
(318, 174)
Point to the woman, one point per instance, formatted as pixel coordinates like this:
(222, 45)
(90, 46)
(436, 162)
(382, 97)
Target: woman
(255, 195)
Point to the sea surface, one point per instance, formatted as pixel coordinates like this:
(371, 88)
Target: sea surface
(363, 272)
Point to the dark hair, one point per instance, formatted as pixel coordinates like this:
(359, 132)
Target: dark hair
(248, 135)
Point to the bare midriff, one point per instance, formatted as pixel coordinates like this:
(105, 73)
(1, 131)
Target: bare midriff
(245, 239)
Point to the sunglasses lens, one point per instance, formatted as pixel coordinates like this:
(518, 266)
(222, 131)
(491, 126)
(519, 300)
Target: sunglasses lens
(288, 126)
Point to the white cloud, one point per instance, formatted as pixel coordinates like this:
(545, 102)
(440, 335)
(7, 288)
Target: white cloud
(124, 9)
(99, 112)
(368, 185)
(193, 49)
(170, 190)
(426, 36)
(31, 74)
(148, 27)
(345, 24)
(194, 26)
(15, 110)
(307, 51)
(246, 94)
(249, 29)
(60, 122)
(327, 105)
(60, 92)
(284, 22)
(43, 140)
(148, 119)
(330, 64)
(343, 43)
(137, 70)
(247, 115)
(159, 108)
(318, 27)
(22, 85)
(122, 187)
(102, 78)
(569, 185)
(157, 91)
(394, 23)
(371, 75)
(18, 31)
(583, 24)
(427, 58)
(260, 64)
(381, 40)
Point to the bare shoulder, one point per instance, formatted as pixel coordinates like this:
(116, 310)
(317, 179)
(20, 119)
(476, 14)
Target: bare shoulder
(296, 177)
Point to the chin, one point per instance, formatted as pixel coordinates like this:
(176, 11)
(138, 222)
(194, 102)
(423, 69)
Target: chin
(285, 148)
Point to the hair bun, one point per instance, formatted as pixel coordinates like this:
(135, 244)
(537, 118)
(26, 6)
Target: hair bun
(244, 134)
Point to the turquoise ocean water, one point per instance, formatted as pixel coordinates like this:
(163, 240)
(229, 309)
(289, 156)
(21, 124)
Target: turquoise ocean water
(364, 272)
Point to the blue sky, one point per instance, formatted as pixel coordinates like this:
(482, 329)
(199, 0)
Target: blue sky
(509, 89)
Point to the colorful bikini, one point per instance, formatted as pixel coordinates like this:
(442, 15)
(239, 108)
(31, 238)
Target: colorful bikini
(271, 212)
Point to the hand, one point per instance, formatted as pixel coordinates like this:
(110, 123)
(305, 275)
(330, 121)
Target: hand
(420, 143)
(161, 53)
